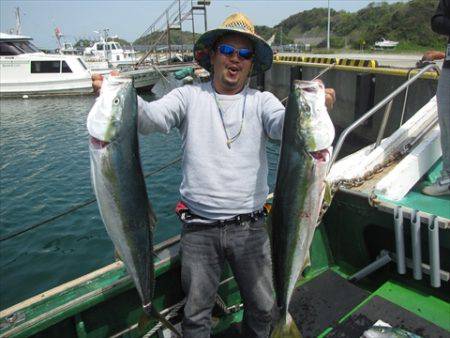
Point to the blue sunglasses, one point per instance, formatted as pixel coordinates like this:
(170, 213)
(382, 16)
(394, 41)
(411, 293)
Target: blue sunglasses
(229, 50)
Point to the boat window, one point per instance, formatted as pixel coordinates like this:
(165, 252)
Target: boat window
(26, 46)
(107, 47)
(65, 68)
(100, 47)
(45, 66)
(113, 46)
(7, 48)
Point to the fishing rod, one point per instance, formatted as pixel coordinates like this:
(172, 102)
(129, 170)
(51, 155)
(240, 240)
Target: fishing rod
(76, 207)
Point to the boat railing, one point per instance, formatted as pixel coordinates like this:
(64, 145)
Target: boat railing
(388, 100)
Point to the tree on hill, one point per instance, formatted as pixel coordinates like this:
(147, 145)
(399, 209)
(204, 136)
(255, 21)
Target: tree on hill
(83, 42)
(407, 22)
(264, 31)
(176, 37)
(122, 42)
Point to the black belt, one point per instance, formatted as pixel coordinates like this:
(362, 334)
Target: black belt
(191, 219)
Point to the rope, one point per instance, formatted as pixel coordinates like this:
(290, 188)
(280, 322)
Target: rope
(76, 207)
(172, 313)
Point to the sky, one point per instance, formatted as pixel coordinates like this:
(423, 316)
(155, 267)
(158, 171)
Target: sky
(129, 19)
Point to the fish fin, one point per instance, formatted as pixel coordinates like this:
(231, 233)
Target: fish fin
(151, 312)
(286, 328)
(307, 261)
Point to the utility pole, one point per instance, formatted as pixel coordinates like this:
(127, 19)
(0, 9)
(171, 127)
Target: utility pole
(168, 37)
(328, 30)
(281, 38)
(181, 29)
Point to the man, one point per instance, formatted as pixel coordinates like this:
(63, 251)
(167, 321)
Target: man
(224, 127)
(440, 23)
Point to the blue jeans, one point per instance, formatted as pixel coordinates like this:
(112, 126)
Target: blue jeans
(204, 251)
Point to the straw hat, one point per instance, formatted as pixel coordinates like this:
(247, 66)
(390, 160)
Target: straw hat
(240, 24)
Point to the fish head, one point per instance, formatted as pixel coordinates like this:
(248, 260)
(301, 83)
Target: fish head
(109, 116)
(388, 332)
(314, 127)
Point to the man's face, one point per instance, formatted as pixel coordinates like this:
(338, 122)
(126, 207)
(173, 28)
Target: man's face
(231, 71)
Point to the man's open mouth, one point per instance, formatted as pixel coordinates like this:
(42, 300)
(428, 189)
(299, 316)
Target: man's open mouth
(233, 70)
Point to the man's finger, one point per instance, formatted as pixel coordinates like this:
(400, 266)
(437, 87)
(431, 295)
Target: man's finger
(97, 77)
(330, 98)
(96, 85)
(331, 92)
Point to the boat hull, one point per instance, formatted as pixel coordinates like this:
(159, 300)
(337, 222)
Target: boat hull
(44, 88)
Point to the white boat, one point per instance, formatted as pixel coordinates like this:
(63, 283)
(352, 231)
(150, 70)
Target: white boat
(383, 43)
(112, 52)
(25, 70)
(67, 48)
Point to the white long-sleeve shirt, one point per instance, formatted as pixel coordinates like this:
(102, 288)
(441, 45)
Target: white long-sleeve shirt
(218, 182)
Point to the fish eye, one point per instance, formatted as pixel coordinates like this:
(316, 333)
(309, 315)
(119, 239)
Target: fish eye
(116, 101)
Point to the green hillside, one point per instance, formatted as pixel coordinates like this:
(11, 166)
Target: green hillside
(407, 22)
(176, 37)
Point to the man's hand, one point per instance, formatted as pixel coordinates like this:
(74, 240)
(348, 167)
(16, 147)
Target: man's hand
(97, 81)
(433, 55)
(330, 95)
(330, 98)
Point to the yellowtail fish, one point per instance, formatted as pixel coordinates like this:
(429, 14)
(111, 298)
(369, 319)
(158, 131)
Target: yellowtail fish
(305, 153)
(119, 185)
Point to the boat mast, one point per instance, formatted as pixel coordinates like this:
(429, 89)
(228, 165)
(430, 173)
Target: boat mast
(18, 28)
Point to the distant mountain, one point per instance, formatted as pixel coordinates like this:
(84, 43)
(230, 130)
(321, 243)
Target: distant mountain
(407, 22)
(176, 37)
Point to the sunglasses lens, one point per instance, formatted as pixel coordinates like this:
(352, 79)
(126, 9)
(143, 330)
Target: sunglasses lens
(226, 49)
(245, 53)
(229, 50)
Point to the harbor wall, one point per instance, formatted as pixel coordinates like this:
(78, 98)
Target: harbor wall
(356, 93)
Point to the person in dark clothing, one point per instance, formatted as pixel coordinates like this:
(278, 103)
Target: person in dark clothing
(440, 23)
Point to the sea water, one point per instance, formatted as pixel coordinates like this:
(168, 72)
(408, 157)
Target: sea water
(44, 171)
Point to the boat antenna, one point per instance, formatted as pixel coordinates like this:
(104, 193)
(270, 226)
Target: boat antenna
(18, 23)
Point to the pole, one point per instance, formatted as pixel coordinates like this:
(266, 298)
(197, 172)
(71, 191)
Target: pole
(328, 29)
(168, 37)
(193, 25)
(206, 20)
(18, 23)
(281, 38)
(181, 29)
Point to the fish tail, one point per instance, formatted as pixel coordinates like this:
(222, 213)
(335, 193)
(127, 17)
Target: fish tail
(286, 328)
(152, 312)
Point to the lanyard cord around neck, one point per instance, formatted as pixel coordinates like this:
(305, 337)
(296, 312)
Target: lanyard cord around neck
(235, 137)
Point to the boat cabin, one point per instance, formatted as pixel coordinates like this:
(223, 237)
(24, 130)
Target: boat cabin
(25, 70)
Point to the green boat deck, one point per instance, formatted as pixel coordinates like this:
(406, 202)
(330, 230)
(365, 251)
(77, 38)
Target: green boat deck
(347, 310)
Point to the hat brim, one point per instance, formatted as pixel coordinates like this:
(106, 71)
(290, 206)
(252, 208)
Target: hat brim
(263, 52)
